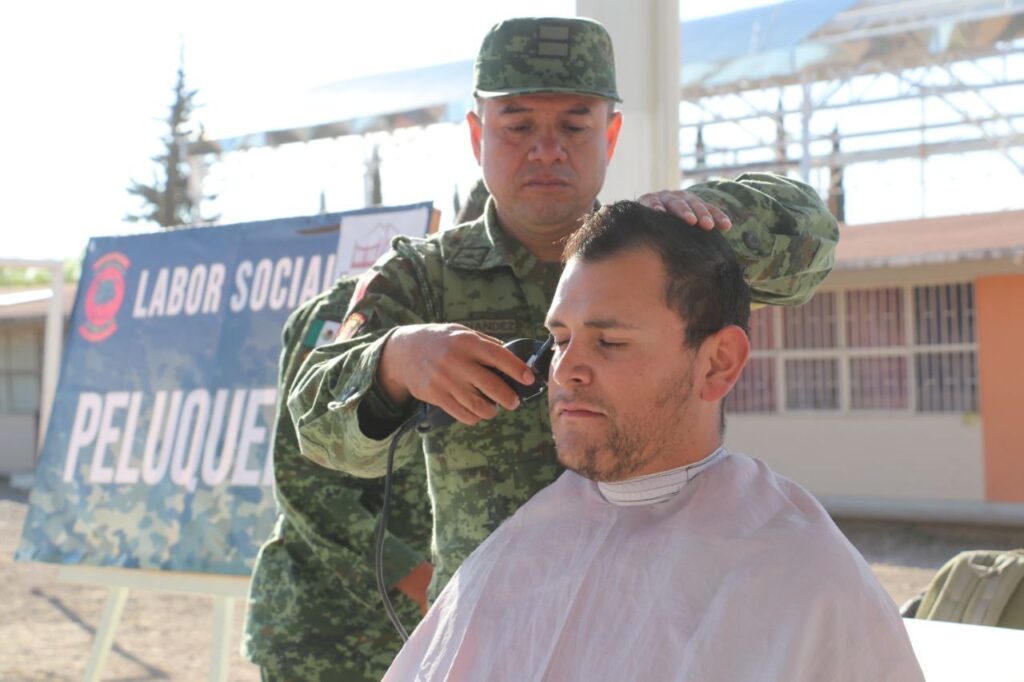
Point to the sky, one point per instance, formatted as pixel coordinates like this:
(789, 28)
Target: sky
(87, 85)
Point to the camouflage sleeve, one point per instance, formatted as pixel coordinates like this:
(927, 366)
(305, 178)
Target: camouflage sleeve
(335, 379)
(330, 516)
(346, 543)
(782, 232)
(291, 341)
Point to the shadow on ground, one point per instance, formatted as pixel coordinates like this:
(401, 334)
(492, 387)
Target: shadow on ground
(924, 545)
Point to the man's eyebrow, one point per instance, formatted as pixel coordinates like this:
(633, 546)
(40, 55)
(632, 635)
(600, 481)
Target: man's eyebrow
(581, 110)
(514, 109)
(599, 323)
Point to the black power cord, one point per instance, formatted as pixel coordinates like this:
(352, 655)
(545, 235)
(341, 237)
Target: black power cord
(537, 356)
(382, 524)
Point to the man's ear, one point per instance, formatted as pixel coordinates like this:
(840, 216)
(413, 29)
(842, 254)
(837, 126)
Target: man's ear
(475, 131)
(726, 351)
(614, 126)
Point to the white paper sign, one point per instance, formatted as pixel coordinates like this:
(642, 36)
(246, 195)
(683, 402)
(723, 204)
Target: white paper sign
(365, 237)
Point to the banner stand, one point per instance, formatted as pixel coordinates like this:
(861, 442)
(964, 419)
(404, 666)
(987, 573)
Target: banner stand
(224, 589)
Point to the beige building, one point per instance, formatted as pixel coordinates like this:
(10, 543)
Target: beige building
(898, 390)
(22, 328)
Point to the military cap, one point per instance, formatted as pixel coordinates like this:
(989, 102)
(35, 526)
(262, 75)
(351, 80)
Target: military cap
(546, 54)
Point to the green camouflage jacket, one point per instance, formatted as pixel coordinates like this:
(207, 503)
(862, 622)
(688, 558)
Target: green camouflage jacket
(476, 276)
(314, 612)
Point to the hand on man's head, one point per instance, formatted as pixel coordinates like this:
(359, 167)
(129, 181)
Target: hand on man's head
(689, 207)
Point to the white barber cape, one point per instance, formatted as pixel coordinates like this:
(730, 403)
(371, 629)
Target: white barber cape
(717, 572)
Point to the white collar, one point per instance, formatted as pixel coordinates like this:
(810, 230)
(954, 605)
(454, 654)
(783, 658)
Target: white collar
(657, 487)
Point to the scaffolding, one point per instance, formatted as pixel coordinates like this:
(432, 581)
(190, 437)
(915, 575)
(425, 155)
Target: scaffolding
(879, 80)
(808, 88)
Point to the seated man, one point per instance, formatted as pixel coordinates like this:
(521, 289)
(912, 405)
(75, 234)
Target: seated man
(660, 555)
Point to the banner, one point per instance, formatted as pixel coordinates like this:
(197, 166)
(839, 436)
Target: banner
(156, 454)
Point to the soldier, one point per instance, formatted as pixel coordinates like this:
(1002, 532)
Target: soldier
(428, 320)
(314, 613)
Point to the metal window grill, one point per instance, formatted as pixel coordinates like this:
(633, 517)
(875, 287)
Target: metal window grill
(874, 318)
(946, 364)
(755, 392)
(896, 348)
(20, 367)
(944, 315)
(947, 382)
(812, 325)
(812, 384)
(878, 383)
(762, 336)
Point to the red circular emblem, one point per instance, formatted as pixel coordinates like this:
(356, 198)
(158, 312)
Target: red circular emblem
(104, 296)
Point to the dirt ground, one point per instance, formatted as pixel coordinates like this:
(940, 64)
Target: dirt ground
(46, 627)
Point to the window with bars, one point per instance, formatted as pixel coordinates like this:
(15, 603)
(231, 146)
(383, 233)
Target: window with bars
(20, 369)
(898, 348)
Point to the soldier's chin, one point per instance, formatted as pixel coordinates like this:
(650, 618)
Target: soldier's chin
(545, 212)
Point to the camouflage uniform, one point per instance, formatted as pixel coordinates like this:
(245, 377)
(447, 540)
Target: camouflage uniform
(475, 202)
(477, 276)
(314, 612)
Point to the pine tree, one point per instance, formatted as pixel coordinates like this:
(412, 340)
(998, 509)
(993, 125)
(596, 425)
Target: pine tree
(168, 201)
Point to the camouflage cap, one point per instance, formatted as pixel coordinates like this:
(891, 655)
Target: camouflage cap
(546, 54)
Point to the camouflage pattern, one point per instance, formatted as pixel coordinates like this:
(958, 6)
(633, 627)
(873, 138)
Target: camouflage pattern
(477, 276)
(546, 54)
(475, 203)
(314, 612)
(786, 259)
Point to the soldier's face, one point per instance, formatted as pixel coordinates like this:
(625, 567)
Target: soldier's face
(544, 158)
(624, 389)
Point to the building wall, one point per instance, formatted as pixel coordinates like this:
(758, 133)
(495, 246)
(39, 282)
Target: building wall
(18, 434)
(21, 351)
(969, 449)
(937, 457)
(1001, 369)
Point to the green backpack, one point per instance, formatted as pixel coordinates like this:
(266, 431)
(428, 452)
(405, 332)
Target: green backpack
(981, 587)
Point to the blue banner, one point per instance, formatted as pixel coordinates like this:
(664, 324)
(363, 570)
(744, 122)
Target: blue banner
(156, 454)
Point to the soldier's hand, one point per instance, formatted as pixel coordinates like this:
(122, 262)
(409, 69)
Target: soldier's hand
(687, 206)
(450, 366)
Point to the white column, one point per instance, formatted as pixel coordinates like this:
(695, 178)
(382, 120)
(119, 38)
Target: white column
(806, 111)
(53, 343)
(221, 649)
(645, 34)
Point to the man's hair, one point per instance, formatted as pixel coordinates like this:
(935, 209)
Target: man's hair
(705, 284)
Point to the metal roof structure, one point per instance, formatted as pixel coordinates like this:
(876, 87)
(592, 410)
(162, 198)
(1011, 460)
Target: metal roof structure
(734, 50)
(812, 40)
(430, 94)
(790, 42)
(805, 105)
(803, 86)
